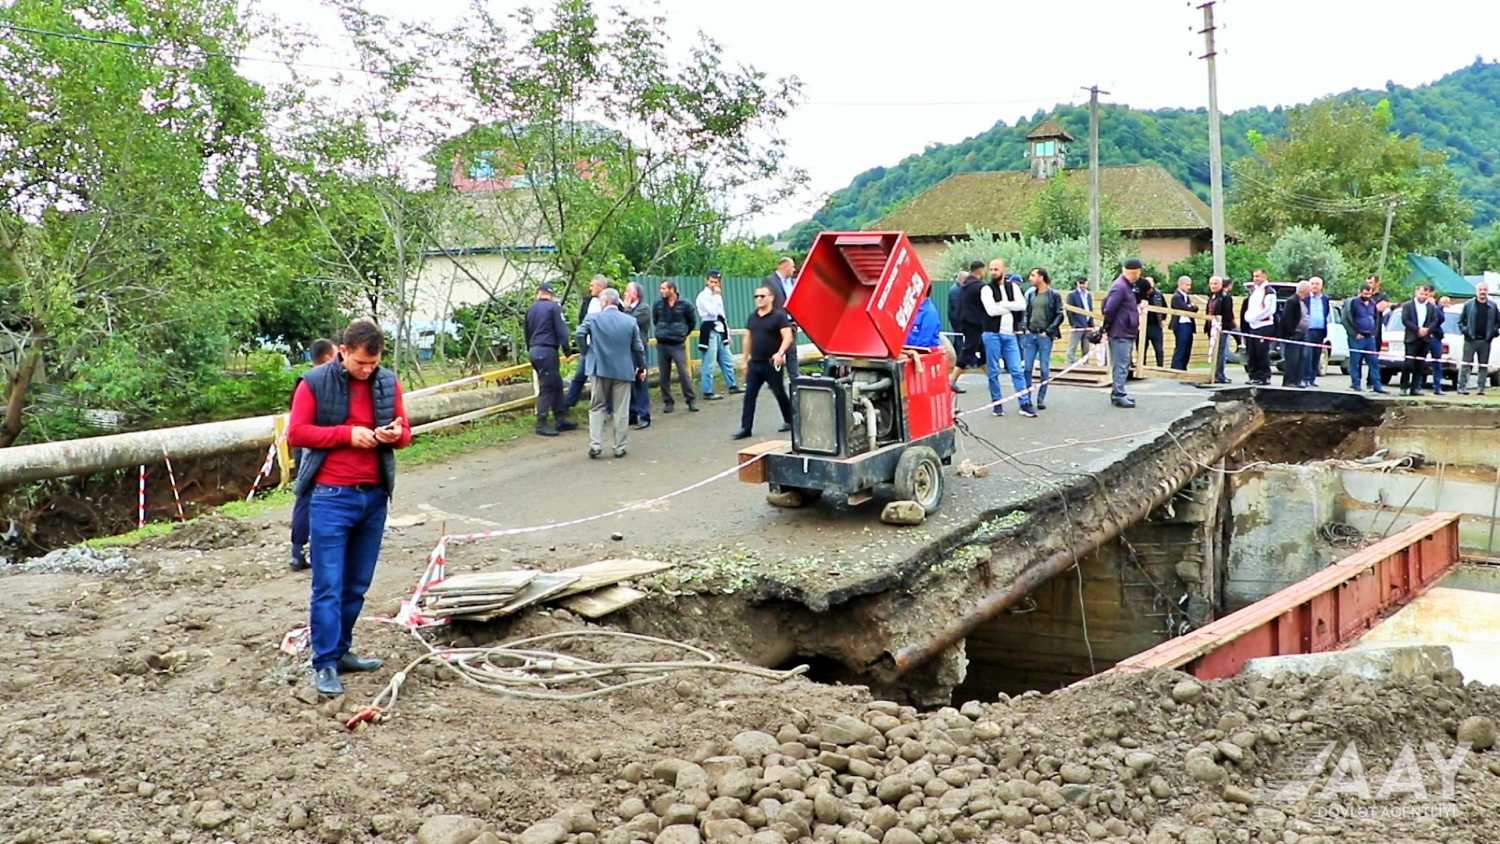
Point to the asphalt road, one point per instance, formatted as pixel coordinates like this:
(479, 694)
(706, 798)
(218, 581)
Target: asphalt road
(727, 523)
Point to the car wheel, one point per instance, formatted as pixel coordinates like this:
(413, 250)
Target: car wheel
(919, 477)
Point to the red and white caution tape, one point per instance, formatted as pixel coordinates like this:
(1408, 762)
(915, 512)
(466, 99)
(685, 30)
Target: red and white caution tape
(172, 477)
(265, 469)
(141, 500)
(1384, 356)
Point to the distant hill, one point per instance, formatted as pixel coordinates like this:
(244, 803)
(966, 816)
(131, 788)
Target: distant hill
(1458, 114)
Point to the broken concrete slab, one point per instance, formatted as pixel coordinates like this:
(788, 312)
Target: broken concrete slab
(1370, 663)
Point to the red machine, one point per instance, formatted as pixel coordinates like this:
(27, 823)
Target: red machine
(877, 413)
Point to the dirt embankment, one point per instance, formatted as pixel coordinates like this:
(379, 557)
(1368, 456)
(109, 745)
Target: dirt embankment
(152, 705)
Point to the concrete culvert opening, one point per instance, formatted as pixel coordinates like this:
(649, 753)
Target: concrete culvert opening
(1310, 488)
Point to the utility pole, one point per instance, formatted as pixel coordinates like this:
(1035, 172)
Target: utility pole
(1385, 239)
(1215, 153)
(1095, 282)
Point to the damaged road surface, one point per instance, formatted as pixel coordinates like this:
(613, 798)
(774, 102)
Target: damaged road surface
(151, 704)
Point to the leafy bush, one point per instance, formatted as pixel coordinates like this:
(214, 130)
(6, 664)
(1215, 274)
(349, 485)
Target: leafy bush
(1307, 251)
(1064, 259)
(1239, 262)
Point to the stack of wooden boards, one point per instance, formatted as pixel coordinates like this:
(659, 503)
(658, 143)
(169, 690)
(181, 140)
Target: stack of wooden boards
(592, 590)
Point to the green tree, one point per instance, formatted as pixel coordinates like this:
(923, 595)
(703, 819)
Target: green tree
(1239, 261)
(1060, 211)
(1303, 252)
(1483, 252)
(134, 248)
(1340, 168)
(624, 151)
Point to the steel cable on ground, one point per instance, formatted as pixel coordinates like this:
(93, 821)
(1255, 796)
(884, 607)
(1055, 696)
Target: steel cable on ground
(518, 669)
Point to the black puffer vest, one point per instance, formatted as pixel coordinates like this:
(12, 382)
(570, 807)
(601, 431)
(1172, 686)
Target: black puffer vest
(330, 387)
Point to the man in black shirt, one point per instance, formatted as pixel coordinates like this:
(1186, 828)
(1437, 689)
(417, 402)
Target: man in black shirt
(770, 337)
(545, 335)
(1147, 292)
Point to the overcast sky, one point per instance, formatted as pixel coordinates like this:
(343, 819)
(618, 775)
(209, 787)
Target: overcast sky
(884, 78)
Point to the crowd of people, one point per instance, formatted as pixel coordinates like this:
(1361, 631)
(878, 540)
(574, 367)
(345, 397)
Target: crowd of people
(348, 415)
(999, 323)
(612, 336)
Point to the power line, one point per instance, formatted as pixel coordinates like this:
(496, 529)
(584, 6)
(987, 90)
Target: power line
(244, 57)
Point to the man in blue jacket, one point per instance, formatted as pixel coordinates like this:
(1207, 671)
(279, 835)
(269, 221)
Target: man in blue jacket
(617, 356)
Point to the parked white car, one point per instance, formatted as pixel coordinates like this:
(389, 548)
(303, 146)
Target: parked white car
(1393, 348)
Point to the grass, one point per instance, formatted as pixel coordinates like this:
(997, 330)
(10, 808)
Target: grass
(426, 449)
(447, 444)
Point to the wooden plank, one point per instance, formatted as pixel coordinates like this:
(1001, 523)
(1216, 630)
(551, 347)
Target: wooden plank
(608, 572)
(755, 473)
(542, 587)
(483, 583)
(1202, 376)
(602, 602)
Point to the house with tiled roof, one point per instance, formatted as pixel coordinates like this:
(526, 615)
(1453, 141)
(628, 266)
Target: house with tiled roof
(1148, 203)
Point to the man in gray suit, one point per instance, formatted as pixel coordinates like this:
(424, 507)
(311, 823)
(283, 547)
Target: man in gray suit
(617, 357)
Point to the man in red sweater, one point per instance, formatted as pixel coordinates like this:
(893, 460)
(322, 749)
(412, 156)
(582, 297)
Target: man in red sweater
(349, 417)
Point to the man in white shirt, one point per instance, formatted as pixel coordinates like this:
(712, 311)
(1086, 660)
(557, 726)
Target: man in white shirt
(1260, 320)
(713, 337)
(1003, 302)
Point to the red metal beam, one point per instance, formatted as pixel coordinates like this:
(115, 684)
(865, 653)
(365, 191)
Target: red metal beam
(1323, 612)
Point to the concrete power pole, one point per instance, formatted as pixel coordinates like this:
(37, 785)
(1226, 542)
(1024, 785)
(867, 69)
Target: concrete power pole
(1095, 281)
(1385, 239)
(1215, 153)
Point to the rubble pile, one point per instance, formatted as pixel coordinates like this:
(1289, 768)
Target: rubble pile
(1155, 758)
(77, 559)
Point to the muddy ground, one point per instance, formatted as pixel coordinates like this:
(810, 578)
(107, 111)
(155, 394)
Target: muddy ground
(153, 705)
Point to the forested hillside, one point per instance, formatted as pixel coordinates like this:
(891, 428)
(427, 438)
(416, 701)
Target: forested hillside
(1458, 114)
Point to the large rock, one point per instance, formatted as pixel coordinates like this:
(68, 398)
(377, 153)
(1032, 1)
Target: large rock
(755, 745)
(845, 730)
(451, 829)
(546, 832)
(679, 835)
(903, 513)
(727, 829)
(1407, 662)
(1478, 731)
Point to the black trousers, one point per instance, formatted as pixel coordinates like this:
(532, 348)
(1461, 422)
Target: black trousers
(1258, 355)
(758, 373)
(1292, 360)
(1182, 351)
(668, 355)
(1154, 342)
(549, 382)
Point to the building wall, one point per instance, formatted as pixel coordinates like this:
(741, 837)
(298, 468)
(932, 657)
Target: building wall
(1163, 252)
(443, 284)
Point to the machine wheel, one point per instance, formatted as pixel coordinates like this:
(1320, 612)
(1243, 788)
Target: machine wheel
(919, 477)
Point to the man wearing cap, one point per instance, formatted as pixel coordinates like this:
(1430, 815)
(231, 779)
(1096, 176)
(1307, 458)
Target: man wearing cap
(1122, 325)
(545, 334)
(713, 337)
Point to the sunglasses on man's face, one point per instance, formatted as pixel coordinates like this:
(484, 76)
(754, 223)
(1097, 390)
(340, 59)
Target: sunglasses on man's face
(762, 295)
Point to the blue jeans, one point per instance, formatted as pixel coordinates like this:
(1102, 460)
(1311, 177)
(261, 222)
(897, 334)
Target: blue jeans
(1119, 364)
(998, 347)
(1037, 347)
(718, 352)
(347, 524)
(1362, 353)
(299, 521)
(1311, 356)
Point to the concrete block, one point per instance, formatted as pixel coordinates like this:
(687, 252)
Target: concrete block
(1370, 663)
(1276, 514)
